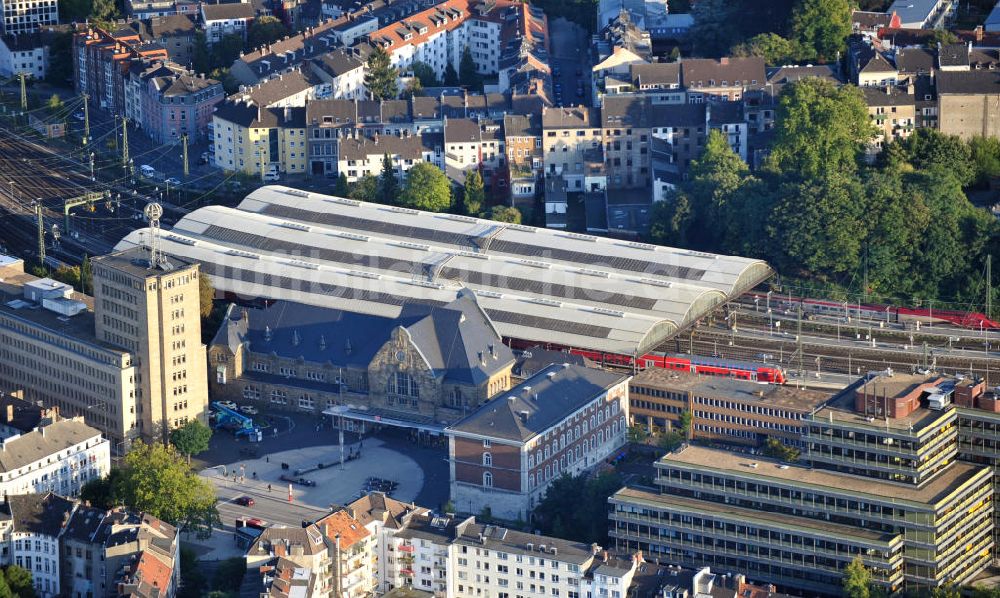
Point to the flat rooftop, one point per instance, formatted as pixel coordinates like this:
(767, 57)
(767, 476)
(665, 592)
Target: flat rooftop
(770, 395)
(655, 500)
(79, 327)
(841, 408)
(536, 284)
(707, 459)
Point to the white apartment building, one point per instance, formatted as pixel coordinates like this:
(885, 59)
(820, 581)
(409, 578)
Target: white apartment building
(27, 16)
(463, 558)
(30, 526)
(23, 54)
(220, 20)
(344, 73)
(361, 156)
(57, 456)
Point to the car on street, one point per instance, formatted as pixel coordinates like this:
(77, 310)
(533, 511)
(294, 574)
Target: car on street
(228, 404)
(297, 480)
(79, 116)
(271, 177)
(248, 410)
(172, 181)
(204, 158)
(251, 522)
(245, 501)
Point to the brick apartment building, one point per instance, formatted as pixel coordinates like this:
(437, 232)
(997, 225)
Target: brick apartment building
(101, 61)
(564, 419)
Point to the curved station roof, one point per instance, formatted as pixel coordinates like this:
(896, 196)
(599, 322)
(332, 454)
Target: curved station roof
(536, 284)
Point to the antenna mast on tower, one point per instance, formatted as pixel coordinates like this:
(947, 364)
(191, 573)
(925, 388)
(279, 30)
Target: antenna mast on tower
(153, 212)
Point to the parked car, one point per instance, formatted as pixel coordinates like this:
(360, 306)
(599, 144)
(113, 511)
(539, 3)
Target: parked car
(248, 410)
(245, 501)
(270, 177)
(172, 181)
(79, 116)
(228, 404)
(296, 480)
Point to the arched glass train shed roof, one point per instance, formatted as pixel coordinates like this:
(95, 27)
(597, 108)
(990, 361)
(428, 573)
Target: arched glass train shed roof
(536, 284)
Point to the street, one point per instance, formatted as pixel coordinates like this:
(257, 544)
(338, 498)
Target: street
(571, 63)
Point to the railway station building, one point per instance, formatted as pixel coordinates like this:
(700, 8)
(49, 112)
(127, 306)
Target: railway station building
(424, 369)
(538, 286)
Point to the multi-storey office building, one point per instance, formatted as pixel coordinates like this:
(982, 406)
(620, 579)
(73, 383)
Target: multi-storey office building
(877, 428)
(50, 353)
(722, 409)
(151, 306)
(798, 527)
(564, 419)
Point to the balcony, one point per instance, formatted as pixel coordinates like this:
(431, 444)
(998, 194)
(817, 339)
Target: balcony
(406, 572)
(406, 548)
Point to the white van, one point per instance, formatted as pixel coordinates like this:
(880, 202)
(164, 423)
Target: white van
(147, 171)
(270, 177)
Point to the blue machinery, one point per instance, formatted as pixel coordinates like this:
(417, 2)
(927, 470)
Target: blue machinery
(240, 424)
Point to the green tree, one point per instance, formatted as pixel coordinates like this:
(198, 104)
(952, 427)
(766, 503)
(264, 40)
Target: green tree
(229, 575)
(381, 78)
(475, 195)
(19, 581)
(820, 128)
(193, 583)
(776, 449)
(427, 188)
(985, 159)
(365, 189)
(857, 579)
(684, 422)
(425, 74)
(468, 76)
(192, 438)
(86, 276)
(69, 275)
(450, 76)
(507, 214)
(669, 441)
(670, 220)
(414, 89)
(927, 148)
(5, 591)
(942, 37)
(103, 12)
(637, 434)
(575, 508)
(55, 103)
(816, 224)
(388, 184)
(206, 295)
(265, 30)
(201, 55)
(102, 492)
(675, 54)
(773, 48)
(342, 188)
(60, 70)
(227, 50)
(821, 27)
(715, 179)
(714, 30)
(155, 479)
(74, 11)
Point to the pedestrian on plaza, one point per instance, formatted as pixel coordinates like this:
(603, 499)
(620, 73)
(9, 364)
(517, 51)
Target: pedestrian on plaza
(268, 487)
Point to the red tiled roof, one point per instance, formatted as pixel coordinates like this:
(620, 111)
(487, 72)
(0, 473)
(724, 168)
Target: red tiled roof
(153, 571)
(341, 523)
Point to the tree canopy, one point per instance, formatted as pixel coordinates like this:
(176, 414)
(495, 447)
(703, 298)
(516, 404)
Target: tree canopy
(821, 28)
(857, 579)
(155, 479)
(475, 195)
(265, 30)
(508, 214)
(16, 582)
(192, 438)
(425, 74)
(576, 508)
(206, 295)
(467, 73)
(427, 188)
(381, 78)
(388, 185)
(365, 189)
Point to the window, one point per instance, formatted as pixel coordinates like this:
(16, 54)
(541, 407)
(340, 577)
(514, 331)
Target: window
(487, 459)
(488, 479)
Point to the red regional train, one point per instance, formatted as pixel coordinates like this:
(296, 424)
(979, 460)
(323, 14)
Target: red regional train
(903, 315)
(707, 366)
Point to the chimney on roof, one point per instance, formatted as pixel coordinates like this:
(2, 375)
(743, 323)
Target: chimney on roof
(979, 33)
(524, 416)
